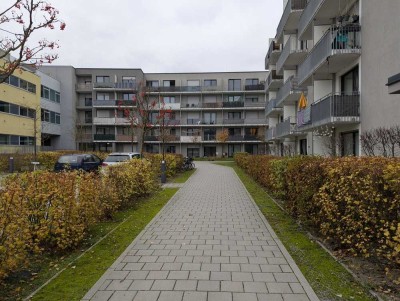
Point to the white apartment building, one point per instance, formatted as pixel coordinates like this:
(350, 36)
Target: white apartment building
(339, 54)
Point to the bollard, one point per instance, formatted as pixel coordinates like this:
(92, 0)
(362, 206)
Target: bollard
(163, 174)
(11, 164)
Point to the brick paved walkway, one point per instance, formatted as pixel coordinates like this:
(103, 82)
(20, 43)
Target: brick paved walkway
(210, 242)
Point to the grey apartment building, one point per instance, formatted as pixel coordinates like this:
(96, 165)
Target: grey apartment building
(202, 106)
(339, 55)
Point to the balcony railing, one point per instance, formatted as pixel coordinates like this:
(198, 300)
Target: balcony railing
(336, 41)
(212, 105)
(84, 86)
(291, 6)
(290, 87)
(308, 15)
(255, 121)
(233, 104)
(272, 54)
(304, 117)
(286, 128)
(209, 137)
(271, 107)
(271, 134)
(193, 121)
(293, 52)
(249, 104)
(190, 88)
(188, 139)
(273, 77)
(336, 107)
(118, 85)
(190, 105)
(104, 120)
(151, 138)
(251, 138)
(125, 138)
(233, 121)
(254, 87)
(104, 137)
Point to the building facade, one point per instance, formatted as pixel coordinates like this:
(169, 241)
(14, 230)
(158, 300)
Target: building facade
(202, 106)
(20, 122)
(329, 64)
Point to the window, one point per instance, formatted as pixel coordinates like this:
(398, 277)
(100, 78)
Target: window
(52, 95)
(349, 82)
(234, 131)
(192, 132)
(45, 92)
(23, 111)
(251, 81)
(103, 96)
(58, 98)
(168, 83)
(210, 118)
(25, 140)
(233, 148)
(152, 83)
(210, 82)
(14, 140)
(88, 117)
(128, 96)
(303, 146)
(169, 99)
(234, 98)
(350, 143)
(251, 132)
(58, 118)
(234, 115)
(234, 85)
(31, 88)
(4, 107)
(20, 83)
(209, 134)
(88, 101)
(252, 99)
(4, 139)
(193, 83)
(102, 79)
(14, 81)
(193, 152)
(14, 109)
(128, 79)
(171, 149)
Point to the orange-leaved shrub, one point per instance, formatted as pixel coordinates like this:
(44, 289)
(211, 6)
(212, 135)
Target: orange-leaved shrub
(173, 162)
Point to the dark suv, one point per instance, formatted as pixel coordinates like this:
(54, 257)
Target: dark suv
(86, 162)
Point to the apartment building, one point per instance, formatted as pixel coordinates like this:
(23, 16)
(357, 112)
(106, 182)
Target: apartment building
(20, 123)
(329, 63)
(202, 106)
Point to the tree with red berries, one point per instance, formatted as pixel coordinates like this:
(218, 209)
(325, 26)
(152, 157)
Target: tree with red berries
(20, 21)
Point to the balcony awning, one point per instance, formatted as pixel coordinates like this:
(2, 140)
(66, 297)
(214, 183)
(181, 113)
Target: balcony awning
(302, 102)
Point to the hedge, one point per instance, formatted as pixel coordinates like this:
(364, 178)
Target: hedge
(353, 203)
(44, 211)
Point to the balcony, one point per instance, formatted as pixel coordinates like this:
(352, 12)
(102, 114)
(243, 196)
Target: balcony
(259, 87)
(190, 89)
(337, 49)
(292, 54)
(271, 109)
(172, 106)
(104, 120)
(273, 54)
(190, 105)
(193, 121)
(212, 105)
(190, 139)
(84, 87)
(251, 121)
(290, 17)
(211, 88)
(235, 138)
(286, 128)
(125, 138)
(271, 134)
(115, 86)
(104, 137)
(172, 122)
(209, 137)
(319, 11)
(233, 121)
(251, 138)
(274, 81)
(151, 138)
(289, 93)
(304, 117)
(233, 104)
(249, 104)
(335, 109)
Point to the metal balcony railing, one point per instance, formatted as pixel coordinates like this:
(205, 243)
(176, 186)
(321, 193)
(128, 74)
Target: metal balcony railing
(251, 138)
(125, 138)
(292, 5)
(209, 137)
(337, 40)
(104, 137)
(255, 121)
(304, 117)
(286, 128)
(271, 134)
(308, 15)
(335, 105)
(107, 85)
(270, 58)
(235, 138)
(151, 138)
(190, 88)
(84, 86)
(233, 121)
(254, 87)
(190, 105)
(250, 104)
(291, 47)
(104, 103)
(289, 87)
(271, 106)
(273, 77)
(233, 104)
(193, 121)
(212, 105)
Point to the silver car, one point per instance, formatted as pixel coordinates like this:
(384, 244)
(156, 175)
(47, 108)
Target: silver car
(116, 158)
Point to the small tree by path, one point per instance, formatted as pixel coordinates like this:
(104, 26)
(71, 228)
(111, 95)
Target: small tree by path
(19, 21)
(223, 137)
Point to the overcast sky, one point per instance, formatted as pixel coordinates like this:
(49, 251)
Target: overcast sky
(167, 35)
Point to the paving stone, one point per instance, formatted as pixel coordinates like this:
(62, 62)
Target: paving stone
(195, 296)
(102, 296)
(140, 285)
(263, 277)
(123, 296)
(147, 296)
(178, 275)
(163, 285)
(219, 296)
(285, 277)
(119, 285)
(244, 296)
(255, 287)
(157, 275)
(279, 288)
(295, 297)
(270, 297)
(221, 276)
(199, 275)
(170, 296)
(242, 276)
(208, 285)
(232, 286)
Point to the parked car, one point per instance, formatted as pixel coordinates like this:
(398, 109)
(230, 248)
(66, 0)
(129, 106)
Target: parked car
(86, 162)
(116, 158)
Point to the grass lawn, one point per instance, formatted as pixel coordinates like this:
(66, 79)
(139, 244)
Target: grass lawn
(182, 178)
(328, 278)
(83, 272)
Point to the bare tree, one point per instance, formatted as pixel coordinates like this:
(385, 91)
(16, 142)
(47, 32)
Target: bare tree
(369, 143)
(19, 20)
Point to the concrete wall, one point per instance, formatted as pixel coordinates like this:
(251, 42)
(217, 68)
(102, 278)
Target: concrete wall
(380, 59)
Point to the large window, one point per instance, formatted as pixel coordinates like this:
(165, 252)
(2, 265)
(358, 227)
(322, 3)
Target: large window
(210, 82)
(50, 94)
(210, 118)
(350, 143)
(251, 81)
(193, 152)
(350, 82)
(102, 79)
(169, 83)
(234, 115)
(209, 134)
(103, 96)
(16, 140)
(20, 83)
(234, 85)
(128, 96)
(14, 109)
(50, 116)
(152, 83)
(234, 98)
(169, 99)
(233, 148)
